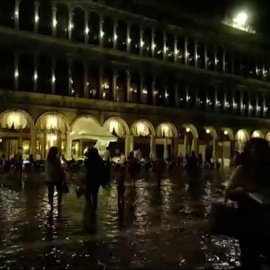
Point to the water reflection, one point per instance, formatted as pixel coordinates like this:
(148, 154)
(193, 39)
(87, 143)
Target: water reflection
(154, 228)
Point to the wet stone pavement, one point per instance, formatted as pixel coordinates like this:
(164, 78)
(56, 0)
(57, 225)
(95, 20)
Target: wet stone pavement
(157, 229)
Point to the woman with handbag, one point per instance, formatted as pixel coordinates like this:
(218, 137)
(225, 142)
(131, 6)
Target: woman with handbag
(54, 176)
(252, 177)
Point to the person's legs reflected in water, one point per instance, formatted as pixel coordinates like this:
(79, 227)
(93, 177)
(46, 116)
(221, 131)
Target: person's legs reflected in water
(90, 212)
(59, 189)
(50, 194)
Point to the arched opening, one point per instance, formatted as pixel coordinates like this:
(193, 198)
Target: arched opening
(87, 132)
(191, 52)
(121, 86)
(257, 134)
(211, 58)
(169, 49)
(147, 42)
(135, 42)
(142, 131)
(94, 29)
(16, 126)
(165, 134)
(7, 68)
(241, 138)
(180, 51)
(27, 15)
(170, 92)
(107, 83)
(188, 136)
(108, 32)
(226, 138)
(135, 91)
(122, 35)
(61, 77)
(78, 27)
(267, 137)
(200, 55)
(51, 129)
(26, 72)
(44, 80)
(62, 18)
(208, 148)
(159, 42)
(77, 78)
(45, 18)
(93, 81)
(8, 13)
(119, 128)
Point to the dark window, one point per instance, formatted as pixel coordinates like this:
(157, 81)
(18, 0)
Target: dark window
(7, 13)
(94, 31)
(6, 69)
(26, 72)
(44, 82)
(78, 27)
(77, 79)
(61, 77)
(27, 15)
(45, 18)
(62, 18)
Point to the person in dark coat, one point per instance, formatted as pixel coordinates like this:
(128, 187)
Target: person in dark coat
(95, 176)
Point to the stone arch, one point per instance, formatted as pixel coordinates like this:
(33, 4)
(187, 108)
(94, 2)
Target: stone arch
(18, 119)
(242, 134)
(142, 127)
(84, 116)
(78, 26)
(257, 134)
(212, 131)
(229, 132)
(52, 121)
(112, 125)
(191, 128)
(267, 137)
(167, 130)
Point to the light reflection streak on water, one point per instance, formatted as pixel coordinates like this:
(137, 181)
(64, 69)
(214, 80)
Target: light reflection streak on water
(167, 187)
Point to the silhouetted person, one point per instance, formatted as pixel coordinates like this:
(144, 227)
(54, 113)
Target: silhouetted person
(159, 168)
(54, 176)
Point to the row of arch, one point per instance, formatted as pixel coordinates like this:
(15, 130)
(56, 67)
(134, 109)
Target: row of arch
(79, 26)
(56, 121)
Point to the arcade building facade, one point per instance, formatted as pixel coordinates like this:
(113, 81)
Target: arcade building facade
(78, 73)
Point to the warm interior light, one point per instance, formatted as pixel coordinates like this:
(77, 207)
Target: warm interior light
(188, 130)
(208, 131)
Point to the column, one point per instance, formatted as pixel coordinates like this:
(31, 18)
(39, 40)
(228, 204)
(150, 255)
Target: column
(35, 81)
(101, 31)
(232, 64)
(86, 30)
(234, 109)
(43, 152)
(225, 101)
(249, 104)
(185, 145)
(196, 53)
(100, 88)
(241, 102)
(86, 90)
(114, 89)
(176, 52)
(16, 70)
(197, 102)
(68, 147)
(152, 147)
(175, 146)
(164, 46)
(215, 58)
(70, 81)
(186, 51)
(153, 45)
(128, 86)
(257, 108)
(140, 90)
(36, 16)
(263, 70)
(154, 94)
(205, 57)
(187, 96)
(115, 36)
(176, 95)
(216, 100)
(17, 14)
(54, 20)
(166, 153)
(128, 37)
(129, 144)
(141, 41)
(206, 100)
(33, 143)
(264, 106)
(53, 77)
(224, 60)
(195, 147)
(70, 23)
(215, 151)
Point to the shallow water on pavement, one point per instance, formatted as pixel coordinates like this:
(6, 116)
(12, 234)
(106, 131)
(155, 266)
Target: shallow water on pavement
(157, 229)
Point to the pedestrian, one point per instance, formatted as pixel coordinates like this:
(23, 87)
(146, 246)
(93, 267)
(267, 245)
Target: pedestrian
(54, 176)
(19, 161)
(95, 177)
(252, 176)
(193, 170)
(132, 167)
(120, 181)
(107, 162)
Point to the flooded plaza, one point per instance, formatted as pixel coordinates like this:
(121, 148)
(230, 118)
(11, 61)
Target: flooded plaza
(157, 229)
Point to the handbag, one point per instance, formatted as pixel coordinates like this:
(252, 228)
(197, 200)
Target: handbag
(225, 219)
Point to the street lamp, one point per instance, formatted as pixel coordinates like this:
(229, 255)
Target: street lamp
(241, 18)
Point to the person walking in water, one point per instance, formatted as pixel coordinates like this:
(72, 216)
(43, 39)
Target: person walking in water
(159, 169)
(95, 177)
(54, 176)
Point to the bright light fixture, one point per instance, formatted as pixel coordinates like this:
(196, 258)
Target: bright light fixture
(187, 129)
(241, 18)
(208, 131)
(225, 132)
